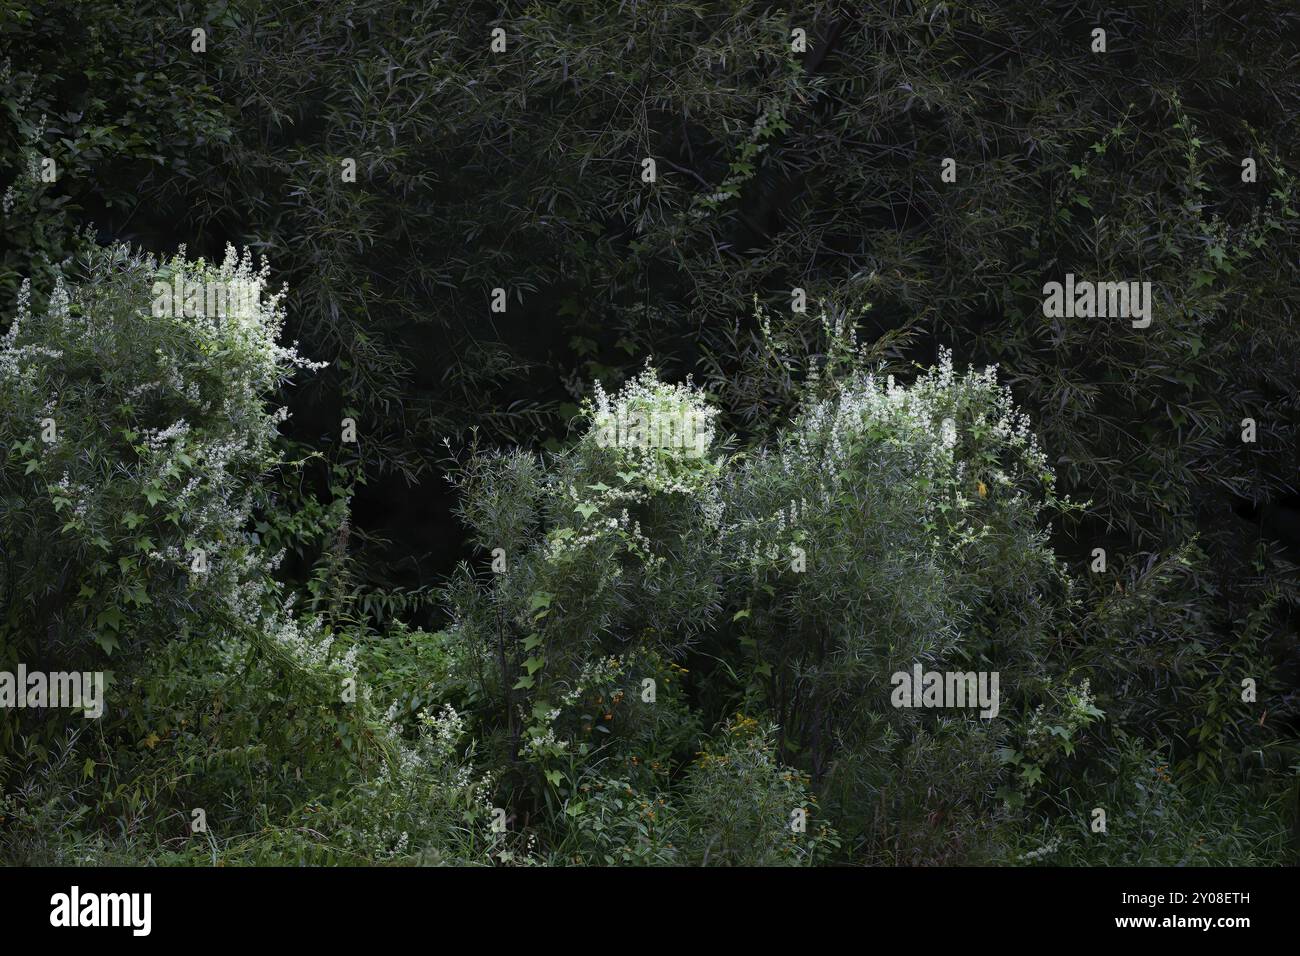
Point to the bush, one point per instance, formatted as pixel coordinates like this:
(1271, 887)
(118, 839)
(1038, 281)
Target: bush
(134, 439)
(640, 591)
(884, 526)
(1154, 818)
(132, 448)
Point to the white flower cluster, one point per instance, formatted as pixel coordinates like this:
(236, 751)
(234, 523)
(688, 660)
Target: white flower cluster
(541, 744)
(31, 152)
(661, 433)
(1046, 850)
(656, 439)
(305, 641)
(19, 362)
(914, 424)
(252, 324)
(444, 728)
(1078, 712)
(566, 542)
(601, 672)
(428, 783)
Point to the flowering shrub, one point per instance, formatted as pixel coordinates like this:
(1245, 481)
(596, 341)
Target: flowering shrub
(781, 541)
(885, 525)
(661, 433)
(1049, 734)
(425, 803)
(645, 584)
(132, 445)
(133, 441)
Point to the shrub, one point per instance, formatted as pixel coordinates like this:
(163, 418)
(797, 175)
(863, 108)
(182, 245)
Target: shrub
(884, 526)
(746, 809)
(132, 445)
(134, 441)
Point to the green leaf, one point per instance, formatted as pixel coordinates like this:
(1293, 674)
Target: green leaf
(1031, 774)
(110, 617)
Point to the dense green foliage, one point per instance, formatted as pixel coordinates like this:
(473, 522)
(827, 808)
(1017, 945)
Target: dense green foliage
(383, 642)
